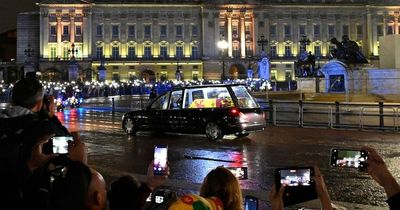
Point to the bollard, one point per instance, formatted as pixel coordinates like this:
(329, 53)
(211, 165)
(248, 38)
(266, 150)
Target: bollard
(300, 113)
(381, 122)
(271, 110)
(113, 106)
(337, 113)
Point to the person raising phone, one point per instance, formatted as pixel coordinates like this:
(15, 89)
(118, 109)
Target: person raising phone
(378, 170)
(276, 197)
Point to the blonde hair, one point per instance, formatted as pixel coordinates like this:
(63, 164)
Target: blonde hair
(221, 183)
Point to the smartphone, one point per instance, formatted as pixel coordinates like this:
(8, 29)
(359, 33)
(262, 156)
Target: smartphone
(160, 160)
(239, 172)
(60, 144)
(250, 203)
(294, 177)
(348, 158)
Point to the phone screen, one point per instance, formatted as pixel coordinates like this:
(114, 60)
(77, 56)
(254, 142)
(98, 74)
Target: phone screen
(60, 144)
(250, 203)
(160, 160)
(348, 158)
(295, 176)
(239, 172)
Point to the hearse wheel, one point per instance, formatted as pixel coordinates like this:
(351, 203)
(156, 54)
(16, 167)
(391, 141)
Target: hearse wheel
(129, 126)
(213, 131)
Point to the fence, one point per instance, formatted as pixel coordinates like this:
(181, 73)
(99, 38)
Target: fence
(381, 116)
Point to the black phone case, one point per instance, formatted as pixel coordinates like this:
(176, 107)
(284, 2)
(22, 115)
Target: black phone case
(298, 194)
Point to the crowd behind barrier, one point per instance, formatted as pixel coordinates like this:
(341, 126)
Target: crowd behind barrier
(34, 174)
(135, 87)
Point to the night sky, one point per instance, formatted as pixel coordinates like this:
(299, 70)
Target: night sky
(9, 10)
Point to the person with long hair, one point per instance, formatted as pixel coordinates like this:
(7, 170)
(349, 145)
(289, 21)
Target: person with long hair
(221, 183)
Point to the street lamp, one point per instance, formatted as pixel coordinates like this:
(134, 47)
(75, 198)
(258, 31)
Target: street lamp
(72, 51)
(262, 41)
(304, 41)
(223, 45)
(29, 51)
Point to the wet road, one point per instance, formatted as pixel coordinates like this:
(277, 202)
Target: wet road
(113, 152)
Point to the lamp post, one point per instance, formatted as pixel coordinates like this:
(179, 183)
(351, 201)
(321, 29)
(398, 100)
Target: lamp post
(29, 65)
(29, 51)
(304, 41)
(72, 51)
(262, 41)
(178, 71)
(223, 45)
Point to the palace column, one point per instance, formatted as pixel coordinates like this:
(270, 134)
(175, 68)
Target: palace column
(72, 27)
(370, 35)
(396, 24)
(59, 34)
(242, 36)
(229, 16)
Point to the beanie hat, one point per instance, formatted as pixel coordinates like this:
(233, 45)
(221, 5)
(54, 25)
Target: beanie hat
(196, 202)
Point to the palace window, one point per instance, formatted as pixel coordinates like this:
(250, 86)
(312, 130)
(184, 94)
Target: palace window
(147, 31)
(288, 31)
(195, 31)
(131, 52)
(53, 31)
(389, 29)
(131, 31)
(163, 31)
(99, 30)
(53, 52)
(345, 30)
(379, 30)
(147, 52)
(115, 52)
(272, 30)
(288, 51)
(163, 52)
(195, 52)
(99, 52)
(317, 30)
(78, 30)
(65, 30)
(302, 30)
(359, 31)
(331, 31)
(179, 31)
(317, 51)
(115, 31)
(179, 51)
(272, 51)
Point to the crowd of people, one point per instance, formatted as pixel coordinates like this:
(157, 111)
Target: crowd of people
(135, 87)
(32, 177)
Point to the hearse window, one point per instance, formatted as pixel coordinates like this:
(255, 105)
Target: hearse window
(211, 97)
(176, 100)
(245, 100)
(161, 103)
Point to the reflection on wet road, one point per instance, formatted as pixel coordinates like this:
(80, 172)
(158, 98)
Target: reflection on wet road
(191, 157)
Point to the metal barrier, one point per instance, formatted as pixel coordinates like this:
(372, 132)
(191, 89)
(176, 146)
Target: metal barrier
(378, 115)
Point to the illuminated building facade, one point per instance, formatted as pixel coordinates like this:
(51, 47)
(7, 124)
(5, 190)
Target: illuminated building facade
(156, 39)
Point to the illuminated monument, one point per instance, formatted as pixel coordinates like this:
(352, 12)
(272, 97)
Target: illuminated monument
(149, 39)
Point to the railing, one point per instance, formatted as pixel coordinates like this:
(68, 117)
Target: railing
(362, 116)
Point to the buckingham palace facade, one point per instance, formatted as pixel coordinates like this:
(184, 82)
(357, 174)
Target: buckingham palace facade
(154, 40)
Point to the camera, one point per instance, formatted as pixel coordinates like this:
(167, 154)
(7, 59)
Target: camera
(348, 158)
(60, 144)
(160, 160)
(250, 203)
(298, 182)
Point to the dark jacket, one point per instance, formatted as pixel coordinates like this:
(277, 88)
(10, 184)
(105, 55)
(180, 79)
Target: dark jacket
(394, 202)
(20, 130)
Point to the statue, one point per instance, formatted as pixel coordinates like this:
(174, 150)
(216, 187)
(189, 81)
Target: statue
(347, 51)
(305, 65)
(263, 68)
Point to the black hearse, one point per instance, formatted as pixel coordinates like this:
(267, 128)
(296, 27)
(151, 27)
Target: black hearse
(215, 110)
